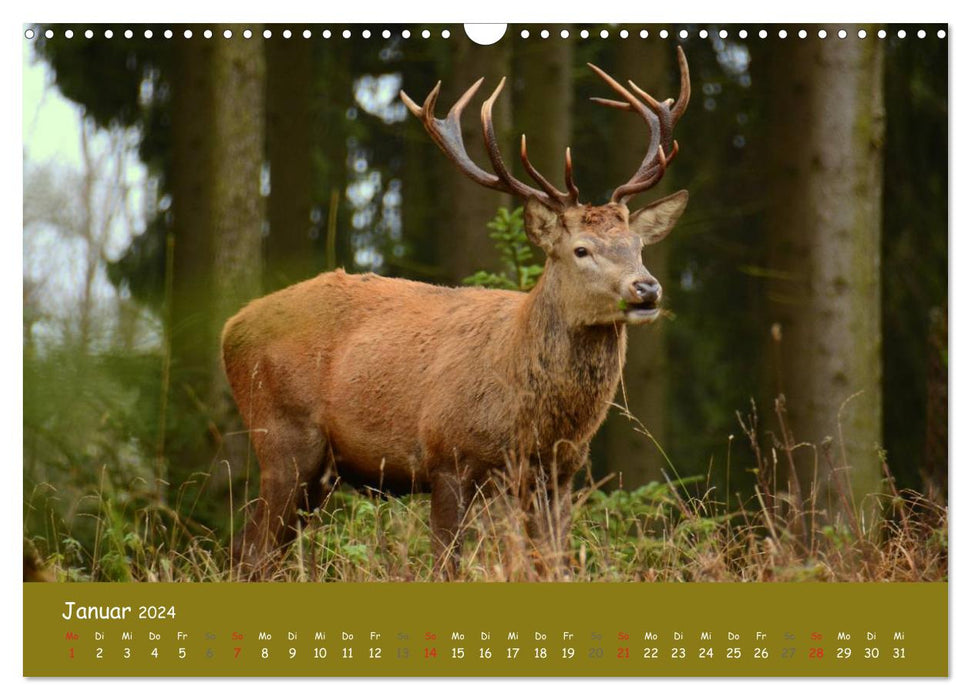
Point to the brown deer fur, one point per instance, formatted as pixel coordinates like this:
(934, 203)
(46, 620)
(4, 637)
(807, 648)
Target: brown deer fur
(408, 387)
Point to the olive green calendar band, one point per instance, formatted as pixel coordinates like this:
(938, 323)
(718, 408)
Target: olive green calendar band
(486, 629)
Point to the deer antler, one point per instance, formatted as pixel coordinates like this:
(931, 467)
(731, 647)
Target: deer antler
(447, 135)
(661, 118)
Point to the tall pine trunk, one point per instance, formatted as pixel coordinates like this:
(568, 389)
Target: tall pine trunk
(827, 127)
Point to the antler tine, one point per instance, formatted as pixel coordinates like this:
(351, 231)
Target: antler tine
(571, 186)
(410, 103)
(661, 118)
(455, 113)
(645, 173)
(611, 103)
(669, 111)
(632, 102)
(661, 109)
(536, 175)
(626, 191)
(447, 133)
(495, 157)
(428, 108)
(684, 94)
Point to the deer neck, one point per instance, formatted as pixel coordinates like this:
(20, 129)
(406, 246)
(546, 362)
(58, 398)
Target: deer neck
(570, 371)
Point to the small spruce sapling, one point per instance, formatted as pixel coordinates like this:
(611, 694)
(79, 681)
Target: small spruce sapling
(519, 272)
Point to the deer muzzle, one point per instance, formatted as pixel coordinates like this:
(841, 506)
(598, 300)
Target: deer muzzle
(641, 300)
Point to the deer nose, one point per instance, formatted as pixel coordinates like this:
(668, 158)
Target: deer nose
(647, 291)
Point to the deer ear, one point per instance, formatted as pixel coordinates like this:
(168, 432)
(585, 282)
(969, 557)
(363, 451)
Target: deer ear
(542, 224)
(655, 221)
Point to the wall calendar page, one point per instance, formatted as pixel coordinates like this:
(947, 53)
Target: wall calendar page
(575, 350)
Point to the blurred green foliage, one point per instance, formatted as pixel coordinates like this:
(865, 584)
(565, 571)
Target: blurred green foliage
(519, 272)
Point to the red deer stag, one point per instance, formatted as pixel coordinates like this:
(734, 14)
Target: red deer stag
(408, 387)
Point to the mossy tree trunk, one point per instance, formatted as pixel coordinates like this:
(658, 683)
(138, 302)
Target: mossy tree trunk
(824, 223)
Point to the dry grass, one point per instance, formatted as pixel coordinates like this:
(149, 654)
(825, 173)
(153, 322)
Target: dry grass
(675, 531)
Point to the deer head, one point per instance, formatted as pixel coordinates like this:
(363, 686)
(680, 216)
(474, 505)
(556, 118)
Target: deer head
(593, 251)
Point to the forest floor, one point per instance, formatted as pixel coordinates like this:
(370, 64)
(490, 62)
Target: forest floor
(673, 530)
(655, 533)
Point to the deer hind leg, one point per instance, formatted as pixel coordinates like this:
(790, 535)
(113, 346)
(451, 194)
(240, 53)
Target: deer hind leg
(319, 489)
(291, 456)
(451, 493)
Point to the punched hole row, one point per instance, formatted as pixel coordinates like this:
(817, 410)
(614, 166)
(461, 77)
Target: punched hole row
(525, 34)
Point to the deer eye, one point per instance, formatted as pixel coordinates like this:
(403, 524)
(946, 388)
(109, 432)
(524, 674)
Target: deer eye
(581, 252)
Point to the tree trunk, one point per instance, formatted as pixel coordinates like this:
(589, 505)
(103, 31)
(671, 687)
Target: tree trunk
(469, 206)
(543, 92)
(630, 453)
(421, 186)
(90, 238)
(934, 473)
(289, 249)
(332, 94)
(238, 130)
(824, 224)
(190, 315)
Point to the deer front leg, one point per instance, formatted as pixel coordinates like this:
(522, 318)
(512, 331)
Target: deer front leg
(450, 501)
